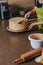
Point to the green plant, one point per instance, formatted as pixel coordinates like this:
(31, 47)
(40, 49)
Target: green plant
(24, 8)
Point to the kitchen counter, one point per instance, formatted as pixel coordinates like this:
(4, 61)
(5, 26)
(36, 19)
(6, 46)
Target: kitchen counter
(12, 45)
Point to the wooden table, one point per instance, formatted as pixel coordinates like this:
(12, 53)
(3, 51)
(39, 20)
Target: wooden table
(12, 45)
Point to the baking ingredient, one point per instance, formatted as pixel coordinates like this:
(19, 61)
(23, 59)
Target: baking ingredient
(37, 37)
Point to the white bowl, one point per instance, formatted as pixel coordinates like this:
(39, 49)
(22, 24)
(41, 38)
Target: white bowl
(36, 43)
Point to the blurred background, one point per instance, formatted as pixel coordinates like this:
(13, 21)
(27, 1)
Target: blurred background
(16, 8)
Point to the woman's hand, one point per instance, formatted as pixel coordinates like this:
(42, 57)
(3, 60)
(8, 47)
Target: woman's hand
(35, 24)
(27, 15)
(31, 26)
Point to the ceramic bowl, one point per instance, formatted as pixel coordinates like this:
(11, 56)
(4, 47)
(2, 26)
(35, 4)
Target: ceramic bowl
(36, 40)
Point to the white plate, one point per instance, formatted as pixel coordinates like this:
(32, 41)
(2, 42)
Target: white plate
(38, 59)
(15, 30)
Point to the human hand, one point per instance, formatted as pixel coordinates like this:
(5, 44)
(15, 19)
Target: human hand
(31, 26)
(27, 15)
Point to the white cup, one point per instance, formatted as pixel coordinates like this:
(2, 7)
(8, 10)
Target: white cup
(36, 43)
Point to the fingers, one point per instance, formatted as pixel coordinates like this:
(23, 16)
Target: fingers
(27, 15)
(31, 26)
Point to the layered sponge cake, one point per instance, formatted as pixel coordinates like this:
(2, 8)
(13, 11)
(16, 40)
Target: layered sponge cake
(18, 24)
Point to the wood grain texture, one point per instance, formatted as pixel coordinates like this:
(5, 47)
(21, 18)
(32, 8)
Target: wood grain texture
(12, 45)
(21, 2)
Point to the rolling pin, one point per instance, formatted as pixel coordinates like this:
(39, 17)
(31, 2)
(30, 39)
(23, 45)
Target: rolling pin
(29, 55)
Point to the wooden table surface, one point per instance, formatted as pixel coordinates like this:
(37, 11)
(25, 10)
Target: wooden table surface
(12, 45)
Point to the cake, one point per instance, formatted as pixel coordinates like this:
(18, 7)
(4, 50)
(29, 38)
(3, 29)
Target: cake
(18, 24)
